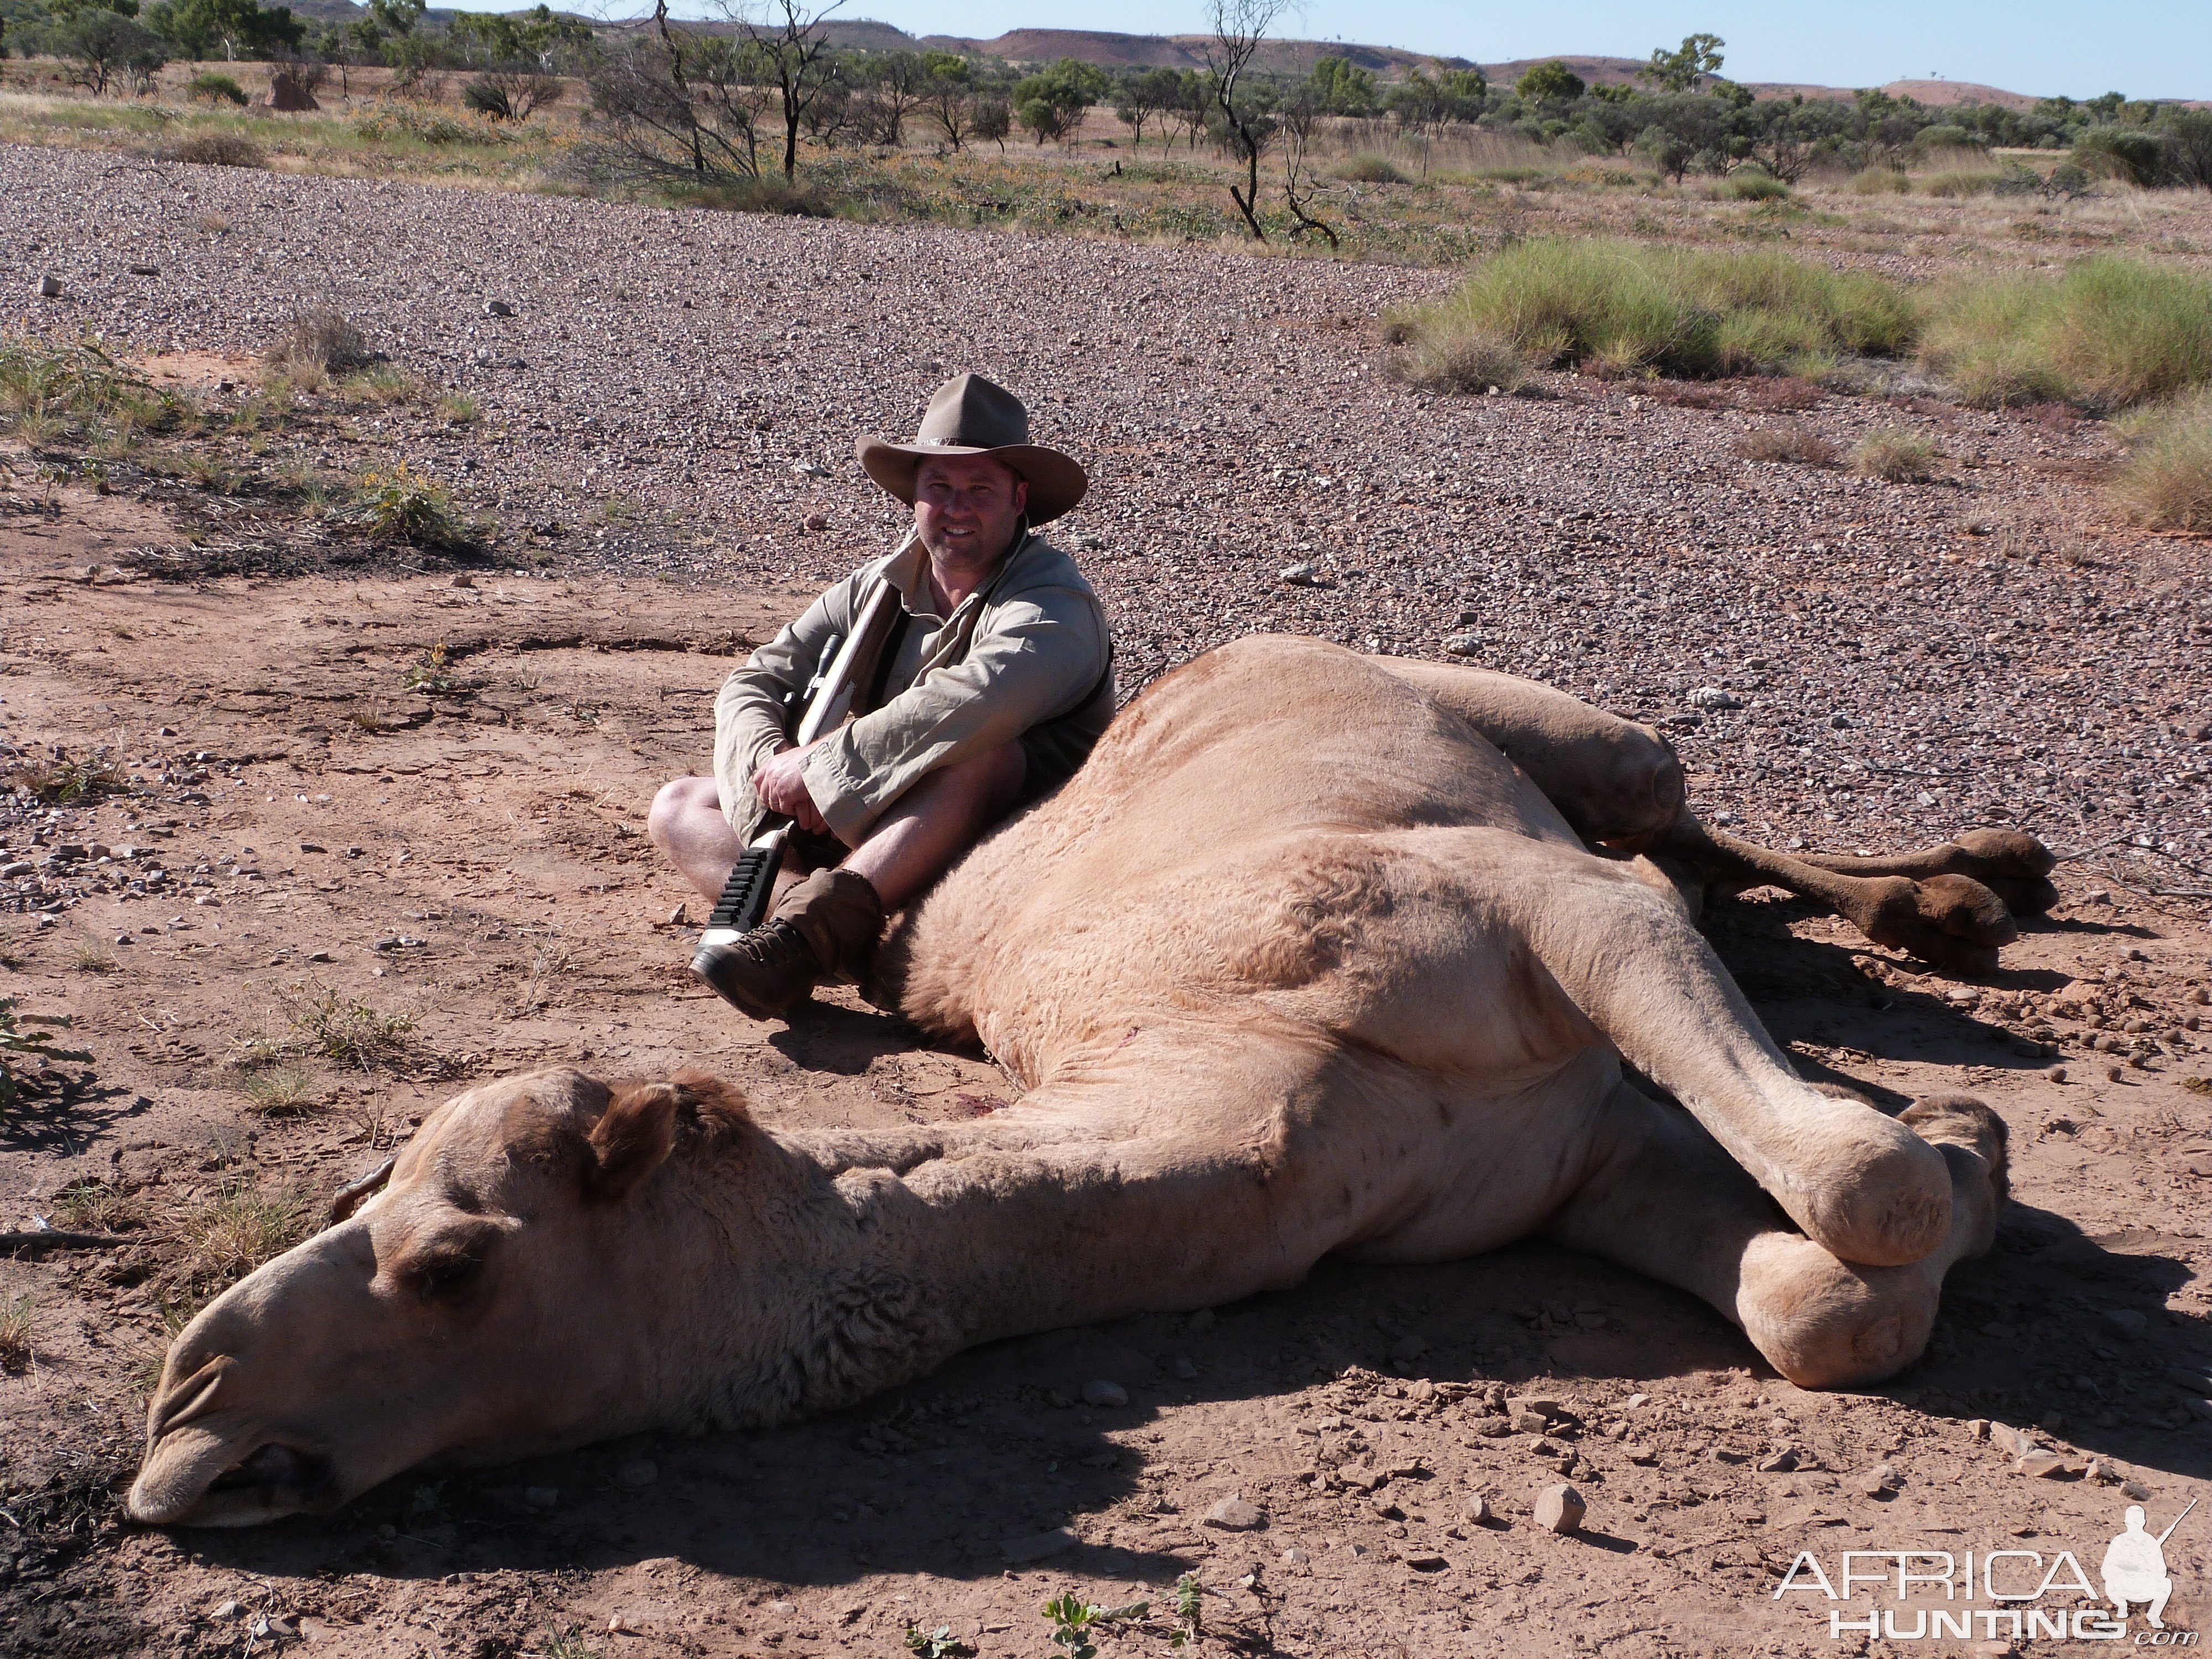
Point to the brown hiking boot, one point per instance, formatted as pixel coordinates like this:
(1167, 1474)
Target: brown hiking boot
(825, 928)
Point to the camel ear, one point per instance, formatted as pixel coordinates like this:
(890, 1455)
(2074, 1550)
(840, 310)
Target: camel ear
(631, 1139)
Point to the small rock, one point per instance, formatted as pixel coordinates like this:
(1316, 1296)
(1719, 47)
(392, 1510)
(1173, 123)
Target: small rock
(2137, 1490)
(1234, 1514)
(786, 1609)
(1294, 1557)
(320, 956)
(1561, 1509)
(1182, 1367)
(1978, 1428)
(816, 521)
(2056, 1073)
(1879, 1481)
(1427, 1562)
(1528, 1422)
(1780, 1462)
(498, 308)
(2040, 1466)
(145, 270)
(1296, 575)
(1839, 722)
(1466, 644)
(1636, 1452)
(638, 1472)
(50, 287)
(312, 847)
(809, 469)
(680, 917)
(1037, 1546)
(2113, 1073)
(1711, 697)
(1104, 1393)
(225, 1610)
(1476, 1511)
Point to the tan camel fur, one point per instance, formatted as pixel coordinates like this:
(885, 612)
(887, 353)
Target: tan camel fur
(1301, 964)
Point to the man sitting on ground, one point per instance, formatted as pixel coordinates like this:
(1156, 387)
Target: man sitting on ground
(992, 683)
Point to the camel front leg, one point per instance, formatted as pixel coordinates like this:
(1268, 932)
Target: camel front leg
(1664, 1199)
(1627, 956)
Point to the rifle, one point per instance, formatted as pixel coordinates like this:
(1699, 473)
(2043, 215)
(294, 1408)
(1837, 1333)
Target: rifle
(2178, 1519)
(827, 699)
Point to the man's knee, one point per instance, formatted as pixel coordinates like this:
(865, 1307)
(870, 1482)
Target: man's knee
(679, 799)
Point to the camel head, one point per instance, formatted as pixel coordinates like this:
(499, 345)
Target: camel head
(496, 1298)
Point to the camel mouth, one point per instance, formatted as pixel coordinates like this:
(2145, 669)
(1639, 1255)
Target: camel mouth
(199, 1486)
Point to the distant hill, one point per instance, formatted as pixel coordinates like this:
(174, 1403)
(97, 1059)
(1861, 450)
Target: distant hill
(1187, 51)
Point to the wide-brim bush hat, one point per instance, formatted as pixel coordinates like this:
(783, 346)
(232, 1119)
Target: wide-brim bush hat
(971, 415)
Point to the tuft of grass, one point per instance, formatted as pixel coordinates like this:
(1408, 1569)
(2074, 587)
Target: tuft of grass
(457, 408)
(285, 1091)
(217, 149)
(1895, 454)
(2166, 482)
(1369, 168)
(1966, 181)
(15, 1317)
(569, 1643)
(90, 957)
(386, 383)
(348, 1030)
(226, 1236)
(60, 783)
(1757, 186)
(213, 86)
(316, 343)
(1473, 361)
(1880, 181)
(49, 390)
(92, 1206)
(2108, 333)
(1628, 308)
(1786, 441)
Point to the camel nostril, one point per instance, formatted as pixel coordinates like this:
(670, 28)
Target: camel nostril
(283, 1468)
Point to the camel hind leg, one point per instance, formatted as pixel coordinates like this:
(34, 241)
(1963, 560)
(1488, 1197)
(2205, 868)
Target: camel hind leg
(1665, 1200)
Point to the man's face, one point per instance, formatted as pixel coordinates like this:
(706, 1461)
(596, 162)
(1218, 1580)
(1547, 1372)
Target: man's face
(967, 508)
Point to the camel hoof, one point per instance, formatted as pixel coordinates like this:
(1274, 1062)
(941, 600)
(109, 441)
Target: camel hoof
(1952, 921)
(1964, 909)
(2006, 853)
(2024, 895)
(1964, 1120)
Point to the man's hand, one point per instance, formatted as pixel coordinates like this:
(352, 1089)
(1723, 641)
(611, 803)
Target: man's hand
(782, 790)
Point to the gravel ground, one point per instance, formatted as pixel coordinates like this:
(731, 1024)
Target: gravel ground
(683, 389)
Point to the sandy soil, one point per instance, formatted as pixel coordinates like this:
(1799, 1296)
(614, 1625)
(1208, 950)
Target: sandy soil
(460, 836)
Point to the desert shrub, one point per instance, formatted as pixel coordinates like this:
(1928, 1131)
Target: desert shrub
(509, 93)
(213, 87)
(1880, 181)
(1895, 454)
(317, 341)
(402, 505)
(1473, 360)
(217, 149)
(1786, 441)
(1626, 308)
(2135, 156)
(1756, 184)
(74, 389)
(2166, 482)
(2108, 333)
(1369, 168)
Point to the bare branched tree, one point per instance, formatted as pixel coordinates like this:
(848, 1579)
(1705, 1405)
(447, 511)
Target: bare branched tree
(1299, 118)
(794, 50)
(677, 102)
(1239, 26)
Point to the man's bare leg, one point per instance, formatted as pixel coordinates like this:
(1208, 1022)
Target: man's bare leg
(936, 821)
(686, 823)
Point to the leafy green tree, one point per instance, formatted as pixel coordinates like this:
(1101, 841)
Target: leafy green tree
(1337, 86)
(1550, 84)
(1051, 105)
(242, 28)
(106, 47)
(2188, 134)
(1682, 68)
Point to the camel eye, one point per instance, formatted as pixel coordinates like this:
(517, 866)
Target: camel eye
(441, 1275)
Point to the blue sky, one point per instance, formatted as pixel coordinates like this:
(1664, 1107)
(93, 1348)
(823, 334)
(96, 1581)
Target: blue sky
(2145, 48)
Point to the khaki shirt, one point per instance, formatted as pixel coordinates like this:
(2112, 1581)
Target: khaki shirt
(1026, 656)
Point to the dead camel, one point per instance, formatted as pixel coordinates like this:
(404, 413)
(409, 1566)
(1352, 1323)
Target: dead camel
(1301, 964)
